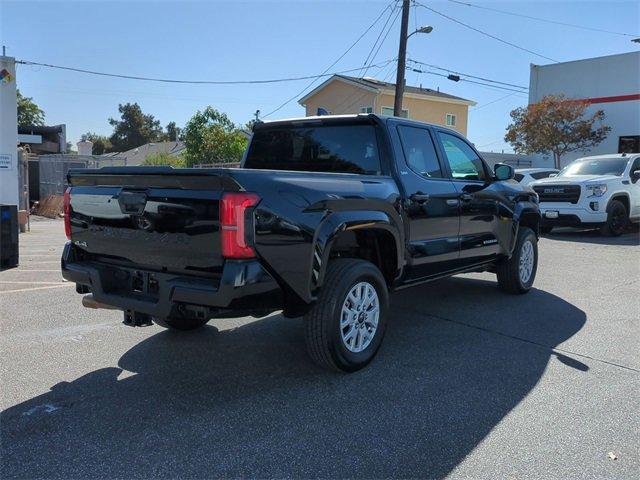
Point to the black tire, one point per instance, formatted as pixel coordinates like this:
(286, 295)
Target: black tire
(324, 336)
(181, 323)
(508, 271)
(617, 219)
(545, 230)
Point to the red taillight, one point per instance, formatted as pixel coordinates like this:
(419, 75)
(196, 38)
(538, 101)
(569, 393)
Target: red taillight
(66, 208)
(232, 224)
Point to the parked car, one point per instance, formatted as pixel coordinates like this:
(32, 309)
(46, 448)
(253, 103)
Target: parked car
(601, 192)
(526, 176)
(326, 216)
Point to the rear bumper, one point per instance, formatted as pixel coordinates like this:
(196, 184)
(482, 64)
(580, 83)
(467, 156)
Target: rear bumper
(244, 286)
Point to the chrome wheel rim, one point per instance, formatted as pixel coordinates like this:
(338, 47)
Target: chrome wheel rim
(526, 261)
(359, 317)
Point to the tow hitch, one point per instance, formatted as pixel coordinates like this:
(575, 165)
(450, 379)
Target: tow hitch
(136, 319)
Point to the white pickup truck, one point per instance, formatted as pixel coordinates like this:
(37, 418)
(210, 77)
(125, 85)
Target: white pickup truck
(601, 191)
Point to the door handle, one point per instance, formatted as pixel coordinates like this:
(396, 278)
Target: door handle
(420, 197)
(465, 197)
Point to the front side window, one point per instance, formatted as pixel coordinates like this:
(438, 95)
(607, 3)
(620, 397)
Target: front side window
(388, 111)
(420, 152)
(344, 148)
(601, 166)
(464, 162)
(451, 120)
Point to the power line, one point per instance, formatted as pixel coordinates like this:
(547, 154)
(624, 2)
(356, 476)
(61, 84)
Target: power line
(190, 82)
(382, 42)
(497, 87)
(468, 75)
(486, 34)
(286, 102)
(364, 64)
(555, 22)
(492, 102)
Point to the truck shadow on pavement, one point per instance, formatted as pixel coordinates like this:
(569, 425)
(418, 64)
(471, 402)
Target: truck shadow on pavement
(246, 402)
(630, 238)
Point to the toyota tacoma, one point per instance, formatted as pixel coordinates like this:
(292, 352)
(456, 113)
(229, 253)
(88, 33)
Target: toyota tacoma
(325, 218)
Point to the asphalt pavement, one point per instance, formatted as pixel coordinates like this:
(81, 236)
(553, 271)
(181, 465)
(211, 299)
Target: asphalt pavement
(469, 383)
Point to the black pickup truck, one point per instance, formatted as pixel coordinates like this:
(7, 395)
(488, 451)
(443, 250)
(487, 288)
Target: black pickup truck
(326, 216)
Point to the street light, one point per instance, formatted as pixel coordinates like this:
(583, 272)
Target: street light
(425, 29)
(402, 55)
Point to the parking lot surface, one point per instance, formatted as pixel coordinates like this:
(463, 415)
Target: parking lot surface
(469, 383)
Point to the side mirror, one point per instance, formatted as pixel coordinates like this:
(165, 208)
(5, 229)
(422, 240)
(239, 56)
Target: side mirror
(635, 175)
(503, 171)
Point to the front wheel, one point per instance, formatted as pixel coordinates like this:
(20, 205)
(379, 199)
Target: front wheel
(346, 325)
(516, 275)
(617, 219)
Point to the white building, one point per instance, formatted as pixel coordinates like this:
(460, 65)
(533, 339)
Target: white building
(610, 83)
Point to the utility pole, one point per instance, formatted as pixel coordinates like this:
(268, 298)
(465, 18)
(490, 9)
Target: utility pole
(402, 56)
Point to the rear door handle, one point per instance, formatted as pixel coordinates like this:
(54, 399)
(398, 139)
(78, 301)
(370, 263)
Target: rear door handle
(420, 197)
(465, 197)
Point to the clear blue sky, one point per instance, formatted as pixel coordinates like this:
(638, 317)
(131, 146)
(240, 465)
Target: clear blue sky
(258, 40)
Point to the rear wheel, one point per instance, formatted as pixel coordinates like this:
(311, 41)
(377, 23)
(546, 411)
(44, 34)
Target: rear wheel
(181, 323)
(617, 219)
(516, 275)
(346, 325)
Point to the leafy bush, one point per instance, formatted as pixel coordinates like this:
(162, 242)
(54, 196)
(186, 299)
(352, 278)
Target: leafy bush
(163, 158)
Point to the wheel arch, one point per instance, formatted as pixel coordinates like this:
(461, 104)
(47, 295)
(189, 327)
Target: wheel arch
(369, 235)
(622, 197)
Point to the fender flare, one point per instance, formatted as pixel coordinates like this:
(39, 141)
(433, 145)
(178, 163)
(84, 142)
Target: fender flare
(341, 221)
(521, 209)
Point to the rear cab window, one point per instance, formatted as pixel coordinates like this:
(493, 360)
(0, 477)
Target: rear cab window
(350, 148)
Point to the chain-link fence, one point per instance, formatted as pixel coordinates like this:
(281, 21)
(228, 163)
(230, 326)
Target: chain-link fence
(52, 171)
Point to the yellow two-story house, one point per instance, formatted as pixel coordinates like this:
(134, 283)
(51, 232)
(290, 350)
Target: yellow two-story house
(341, 94)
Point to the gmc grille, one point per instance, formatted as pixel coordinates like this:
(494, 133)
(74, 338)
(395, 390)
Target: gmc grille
(558, 193)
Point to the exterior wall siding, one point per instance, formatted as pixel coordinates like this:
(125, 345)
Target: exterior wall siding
(429, 111)
(595, 78)
(340, 98)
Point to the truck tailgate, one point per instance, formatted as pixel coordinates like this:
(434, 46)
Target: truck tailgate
(155, 217)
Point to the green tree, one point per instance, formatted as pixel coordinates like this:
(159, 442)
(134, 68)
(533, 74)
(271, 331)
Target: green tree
(555, 125)
(172, 132)
(164, 158)
(28, 112)
(133, 129)
(211, 137)
(101, 143)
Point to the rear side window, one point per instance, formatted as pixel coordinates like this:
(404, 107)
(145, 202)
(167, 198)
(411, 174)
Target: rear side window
(344, 148)
(420, 152)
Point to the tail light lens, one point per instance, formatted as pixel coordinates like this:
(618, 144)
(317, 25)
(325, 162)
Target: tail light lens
(66, 208)
(233, 207)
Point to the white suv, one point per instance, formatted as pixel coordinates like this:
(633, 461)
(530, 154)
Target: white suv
(602, 191)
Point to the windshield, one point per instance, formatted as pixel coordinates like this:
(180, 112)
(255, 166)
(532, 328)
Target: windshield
(602, 166)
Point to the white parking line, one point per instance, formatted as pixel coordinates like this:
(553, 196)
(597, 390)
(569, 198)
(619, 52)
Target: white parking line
(37, 288)
(23, 271)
